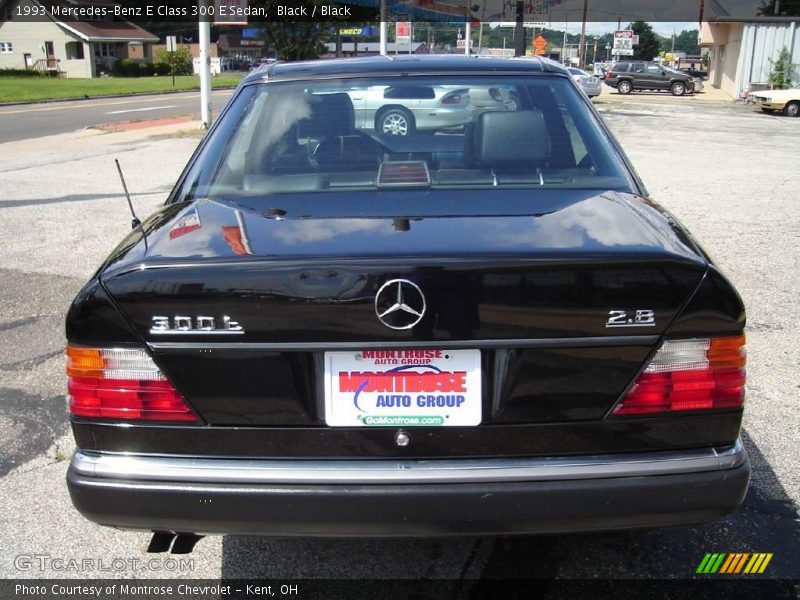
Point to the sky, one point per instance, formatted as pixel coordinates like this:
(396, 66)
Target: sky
(664, 28)
(599, 27)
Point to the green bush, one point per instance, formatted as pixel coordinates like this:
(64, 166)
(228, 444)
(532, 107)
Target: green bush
(126, 67)
(181, 61)
(19, 73)
(780, 77)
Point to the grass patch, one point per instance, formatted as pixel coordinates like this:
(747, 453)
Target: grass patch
(36, 89)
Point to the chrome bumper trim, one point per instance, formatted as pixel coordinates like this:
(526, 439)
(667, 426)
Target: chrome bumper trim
(577, 342)
(263, 471)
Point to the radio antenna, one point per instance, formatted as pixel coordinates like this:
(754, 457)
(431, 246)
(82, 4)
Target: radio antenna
(135, 222)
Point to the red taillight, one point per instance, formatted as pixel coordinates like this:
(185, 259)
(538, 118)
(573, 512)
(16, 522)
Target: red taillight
(695, 374)
(121, 383)
(609, 74)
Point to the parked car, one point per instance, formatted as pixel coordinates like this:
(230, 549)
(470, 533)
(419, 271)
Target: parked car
(599, 69)
(403, 108)
(261, 62)
(329, 331)
(786, 101)
(629, 75)
(696, 74)
(590, 84)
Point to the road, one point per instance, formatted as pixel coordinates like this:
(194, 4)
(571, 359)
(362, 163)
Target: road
(717, 169)
(26, 121)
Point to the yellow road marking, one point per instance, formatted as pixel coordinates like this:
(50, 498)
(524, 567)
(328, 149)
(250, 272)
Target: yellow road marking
(84, 104)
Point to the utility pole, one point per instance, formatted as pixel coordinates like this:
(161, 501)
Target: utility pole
(519, 30)
(564, 44)
(205, 65)
(467, 36)
(582, 51)
(384, 32)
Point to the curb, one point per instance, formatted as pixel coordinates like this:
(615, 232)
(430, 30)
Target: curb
(139, 125)
(134, 95)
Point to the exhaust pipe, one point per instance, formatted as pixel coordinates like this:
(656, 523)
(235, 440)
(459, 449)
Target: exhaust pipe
(175, 543)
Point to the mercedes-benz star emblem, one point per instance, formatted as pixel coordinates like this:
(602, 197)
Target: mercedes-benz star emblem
(400, 304)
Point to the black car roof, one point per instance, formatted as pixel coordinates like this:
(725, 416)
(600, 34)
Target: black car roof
(409, 63)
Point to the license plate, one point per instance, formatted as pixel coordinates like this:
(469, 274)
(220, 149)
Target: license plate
(403, 388)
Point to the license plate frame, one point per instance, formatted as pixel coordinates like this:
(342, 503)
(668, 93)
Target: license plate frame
(403, 388)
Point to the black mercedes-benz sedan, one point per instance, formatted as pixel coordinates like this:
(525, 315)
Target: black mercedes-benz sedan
(333, 329)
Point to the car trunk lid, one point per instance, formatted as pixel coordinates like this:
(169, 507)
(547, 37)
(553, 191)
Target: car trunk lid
(564, 303)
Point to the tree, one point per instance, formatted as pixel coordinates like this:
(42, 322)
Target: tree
(780, 78)
(785, 8)
(648, 45)
(297, 40)
(686, 41)
(179, 62)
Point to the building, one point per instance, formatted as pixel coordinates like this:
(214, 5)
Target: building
(69, 48)
(740, 51)
(193, 49)
(241, 48)
(374, 48)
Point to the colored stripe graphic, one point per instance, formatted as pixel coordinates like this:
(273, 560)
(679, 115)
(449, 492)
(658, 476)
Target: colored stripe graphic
(715, 567)
(741, 562)
(765, 563)
(758, 563)
(711, 563)
(732, 558)
(733, 563)
(703, 563)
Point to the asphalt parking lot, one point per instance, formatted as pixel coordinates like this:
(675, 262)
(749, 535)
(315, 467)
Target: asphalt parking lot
(727, 172)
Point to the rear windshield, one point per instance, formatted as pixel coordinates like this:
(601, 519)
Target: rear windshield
(406, 133)
(620, 67)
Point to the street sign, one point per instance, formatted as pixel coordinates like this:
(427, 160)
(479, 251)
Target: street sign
(540, 45)
(402, 32)
(624, 42)
(526, 24)
(172, 43)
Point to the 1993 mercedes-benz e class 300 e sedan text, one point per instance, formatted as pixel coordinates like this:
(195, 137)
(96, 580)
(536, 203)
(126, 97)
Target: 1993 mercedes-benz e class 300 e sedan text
(333, 331)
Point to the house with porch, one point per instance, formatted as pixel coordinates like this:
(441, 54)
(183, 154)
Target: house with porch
(68, 48)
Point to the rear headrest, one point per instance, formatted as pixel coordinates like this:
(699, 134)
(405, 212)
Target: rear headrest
(331, 115)
(510, 138)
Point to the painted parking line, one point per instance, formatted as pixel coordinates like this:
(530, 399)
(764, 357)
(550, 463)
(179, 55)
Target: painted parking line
(133, 110)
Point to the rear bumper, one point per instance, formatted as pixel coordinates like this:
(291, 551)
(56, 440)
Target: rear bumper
(413, 498)
(593, 90)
